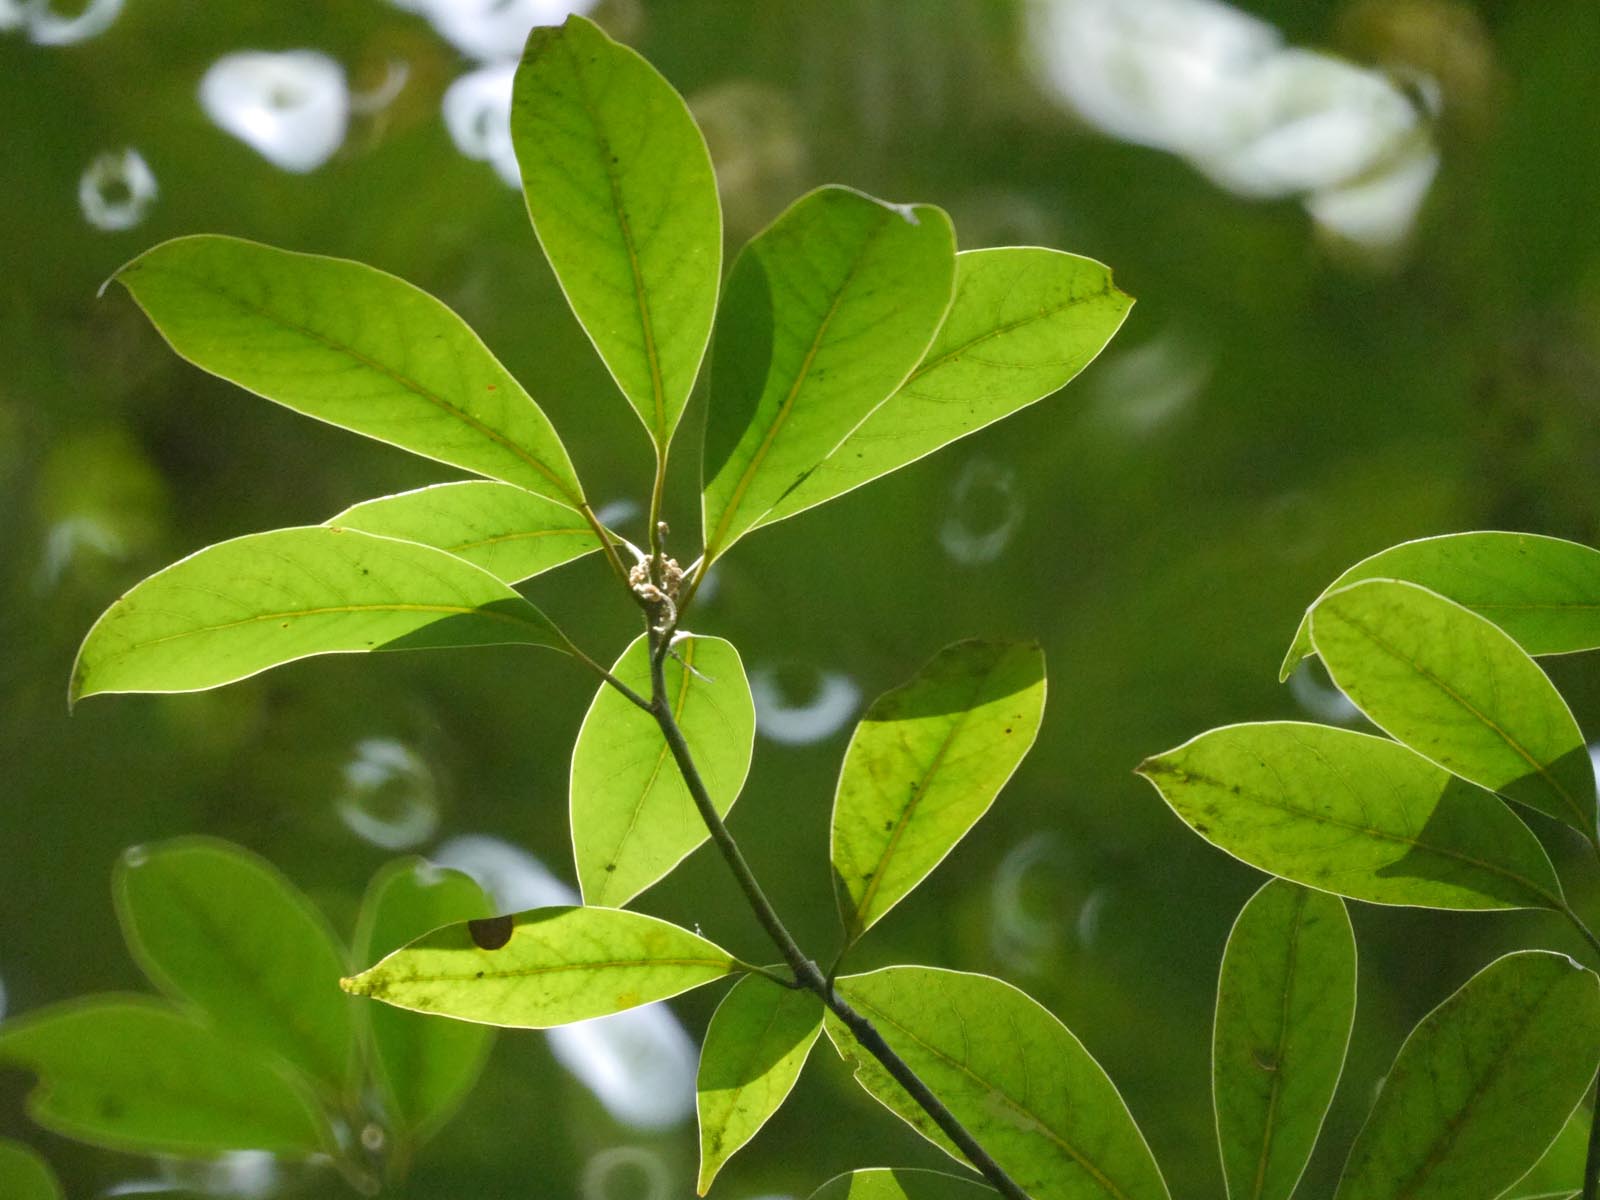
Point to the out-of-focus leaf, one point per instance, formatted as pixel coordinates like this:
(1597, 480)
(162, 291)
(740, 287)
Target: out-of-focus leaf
(619, 186)
(1482, 1086)
(900, 1183)
(1543, 591)
(1559, 1174)
(1457, 690)
(759, 1038)
(1353, 814)
(632, 817)
(1024, 321)
(237, 608)
(425, 1066)
(1012, 1074)
(544, 967)
(825, 315)
(353, 346)
(218, 927)
(511, 533)
(1286, 1001)
(133, 1074)
(924, 764)
(24, 1175)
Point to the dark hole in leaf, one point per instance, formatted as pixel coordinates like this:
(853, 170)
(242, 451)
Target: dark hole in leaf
(490, 933)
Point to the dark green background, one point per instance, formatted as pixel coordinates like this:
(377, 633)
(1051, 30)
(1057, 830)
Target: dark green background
(1340, 406)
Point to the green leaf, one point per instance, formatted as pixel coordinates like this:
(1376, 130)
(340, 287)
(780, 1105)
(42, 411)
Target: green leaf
(619, 186)
(215, 926)
(633, 820)
(424, 1066)
(24, 1175)
(353, 346)
(759, 1038)
(1024, 321)
(1353, 814)
(544, 967)
(1558, 1175)
(1286, 1001)
(1482, 1085)
(133, 1074)
(924, 764)
(826, 314)
(1016, 1077)
(234, 609)
(1456, 689)
(510, 533)
(1543, 591)
(900, 1183)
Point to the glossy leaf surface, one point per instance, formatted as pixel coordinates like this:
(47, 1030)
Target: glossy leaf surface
(826, 313)
(1459, 691)
(544, 967)
(134, 1074)
(1543, 591)
(239, 607)
(901, 1183)
(222, 929)
(1353, 814)
(633, 819)
(619, 185)
(925, 764)
(757, 1042)
(510, 533)
(1024, 321)
(353, 346)
(1482, 1086)
(424, 1066)
(1286, 1001)
(1016, 1077)
(24, 1175)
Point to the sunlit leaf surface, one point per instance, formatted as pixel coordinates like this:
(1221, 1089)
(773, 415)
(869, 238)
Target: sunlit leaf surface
(24, 1175)
(544, 967)
(632, 817)
(1286, 1001)
(1482, 1085)
(1458, 690)
(619, 186)
(1353, 814)
(241, 606)
(901, 1183)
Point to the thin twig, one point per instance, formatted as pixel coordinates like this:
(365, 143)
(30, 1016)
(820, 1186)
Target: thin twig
(806, 972)
(606, 544)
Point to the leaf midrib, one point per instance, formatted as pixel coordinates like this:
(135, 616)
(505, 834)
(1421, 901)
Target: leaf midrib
(1043, 314)
(378, 988)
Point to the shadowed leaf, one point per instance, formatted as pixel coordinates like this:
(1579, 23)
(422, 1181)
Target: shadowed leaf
(24, 1175)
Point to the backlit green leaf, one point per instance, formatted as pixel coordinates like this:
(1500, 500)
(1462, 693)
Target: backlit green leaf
(241, 606)
(1543, 591)
(900, 1183)
(1024, 321)
(216, 926)
(1456, 689)
(924, 764)
(1558, 1175)
(1286, 1001)
(826, 314)
(632, 817)
(1012, 1074)
(1482, 1086)
(24, 1175)
(511, 533)
(1353, 814)
(757, 1042)
(424, 1066)
(544, 967)
(619, 186)
(353, 346)
(134, 1074)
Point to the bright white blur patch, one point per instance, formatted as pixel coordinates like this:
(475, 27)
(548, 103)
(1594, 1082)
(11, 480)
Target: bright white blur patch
(47, 27)
(292, 108)
(477, 112)
(390, 796)
(116, 190)
(1204, 81)
(488, 30)
(799, 716)
(640, 1064)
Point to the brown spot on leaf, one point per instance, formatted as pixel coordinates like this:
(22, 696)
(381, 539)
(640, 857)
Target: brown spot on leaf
(490, 933)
